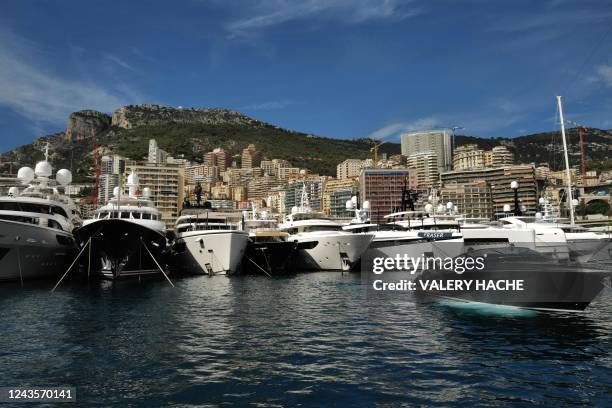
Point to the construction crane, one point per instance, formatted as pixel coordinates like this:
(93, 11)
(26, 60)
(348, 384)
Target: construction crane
(374, 149)
(581, 130)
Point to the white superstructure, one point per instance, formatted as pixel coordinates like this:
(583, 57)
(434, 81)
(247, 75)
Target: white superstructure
(36, 225)
(330, 247)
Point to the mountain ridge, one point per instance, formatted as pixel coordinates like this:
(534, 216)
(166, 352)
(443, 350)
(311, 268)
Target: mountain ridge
(190, 132)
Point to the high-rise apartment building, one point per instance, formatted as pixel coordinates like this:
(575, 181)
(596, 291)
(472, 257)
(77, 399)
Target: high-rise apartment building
(218, 157)
(426, 166)
(348, 168)
(251, 157)
(167, 187)
(473, 200)
(156, 155)
(438, 142)
(335, 194)
(498, 179)
(468, 157)
(383, 189)
(501, 156)
(111, 168)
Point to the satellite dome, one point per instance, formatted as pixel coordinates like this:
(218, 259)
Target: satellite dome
(349, 204)
(146, 192)
(63, 177)
(441, 207)
(43, 169)
(116, 192)
(366, 205)
(506, 207)
(264, 215)
(25, 174)
(428, 208)
(294, 210)
(132, 179)
(13, 191)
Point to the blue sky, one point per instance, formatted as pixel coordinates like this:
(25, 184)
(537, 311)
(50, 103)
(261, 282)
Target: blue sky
(335, 68)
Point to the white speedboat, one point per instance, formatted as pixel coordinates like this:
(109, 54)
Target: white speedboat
(325, 245)
(127, 236)
(36, 224)
(208, 242)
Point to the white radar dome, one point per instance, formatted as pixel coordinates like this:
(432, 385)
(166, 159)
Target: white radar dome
(440, 208)
(116, 192)
(506, 207)
(43, 169)
(132, 179)
(63, 177)
(146, 192)
(349, 204)
(25, 174)
(428, 208)
(366, 205)
(294, 210)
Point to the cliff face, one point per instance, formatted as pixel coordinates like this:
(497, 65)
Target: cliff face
(132, 116)
(84, 124)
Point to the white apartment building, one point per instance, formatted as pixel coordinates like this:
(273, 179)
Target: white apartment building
(436, 141)
(348, 168)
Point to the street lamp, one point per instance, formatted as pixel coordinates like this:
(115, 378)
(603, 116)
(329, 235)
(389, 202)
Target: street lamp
(514, 185)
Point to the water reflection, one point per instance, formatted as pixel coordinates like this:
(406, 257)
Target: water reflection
(310, 339)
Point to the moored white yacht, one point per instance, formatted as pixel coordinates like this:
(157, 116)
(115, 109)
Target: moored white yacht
(127, 236)
(393, 238)
(36, 224)
(208, 242)
(328, 246)
(268, 250)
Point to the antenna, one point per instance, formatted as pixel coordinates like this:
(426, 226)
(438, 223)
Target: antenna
(567, 168)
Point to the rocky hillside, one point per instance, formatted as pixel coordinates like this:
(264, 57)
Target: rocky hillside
(189, 133)
(132, 116)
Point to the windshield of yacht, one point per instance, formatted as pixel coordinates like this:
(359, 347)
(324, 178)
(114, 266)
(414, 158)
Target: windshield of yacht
(32, 208)
(309, 216)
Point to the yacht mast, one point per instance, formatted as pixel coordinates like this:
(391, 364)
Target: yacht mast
(567, 168)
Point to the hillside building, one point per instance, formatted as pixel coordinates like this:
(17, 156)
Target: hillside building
(438, 142)
(383, 189)
(167, 187)
(348, 169)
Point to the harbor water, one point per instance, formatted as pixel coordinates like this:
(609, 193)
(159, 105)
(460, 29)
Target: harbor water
(310, 339)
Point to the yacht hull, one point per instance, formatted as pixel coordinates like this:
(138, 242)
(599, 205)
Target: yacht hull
(547, 285)
(272, 257)
(332, 252)
(209, 252)
(29, 252)
(122, 249)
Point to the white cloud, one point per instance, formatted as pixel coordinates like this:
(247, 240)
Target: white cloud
(42, 96)
(394, 129)
(268, 13)
(117, 61)
(605, 74)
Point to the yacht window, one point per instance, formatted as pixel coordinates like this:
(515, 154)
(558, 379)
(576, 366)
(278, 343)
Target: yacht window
(54, 224)
(103, 214)
(115, 214)
(146, 216)
(6, 206)
(125, 215)
(312, 228)
(59, 211)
